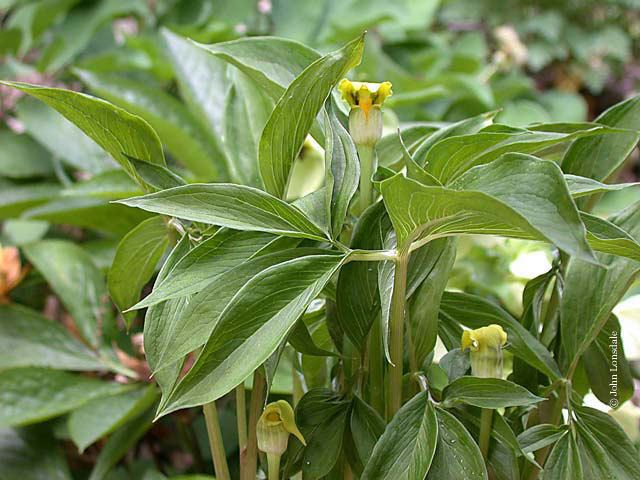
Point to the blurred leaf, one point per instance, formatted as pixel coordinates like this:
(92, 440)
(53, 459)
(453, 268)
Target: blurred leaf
(29, 340)
(135, 262)
(31, 395)
(22, 157)
(73, 276)
(103, 415)
(108, 185)
(16, 199)
(296, 111)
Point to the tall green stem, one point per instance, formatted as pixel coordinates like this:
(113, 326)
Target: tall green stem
(486, 423)
(215, 441)
(396, 323)
(367, 157)
(249, 462)
(273, 460)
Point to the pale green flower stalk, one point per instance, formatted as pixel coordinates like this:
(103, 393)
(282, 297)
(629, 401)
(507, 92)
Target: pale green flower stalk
(485, 350)
(365, 126)
(275, 425)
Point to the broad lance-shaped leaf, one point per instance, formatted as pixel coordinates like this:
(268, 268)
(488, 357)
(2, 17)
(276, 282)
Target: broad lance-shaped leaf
(366, 427)
(271, 62)
(598, 157)
(476, 312)
(73, 276)
(252, 326)
(115, 130)
(450, 158)
(591, 292)
(540, 436)
(564, 461)
(582, 186)
(27, 339)
(214, 256)
(31, 395)
(406, 448)
(228, 205)
(457, 454)
(604, 448)
(295, 112)
(515, 196)
(606, 237)
(487, 393)
(187, 140)
(342, 172)
(135, 262)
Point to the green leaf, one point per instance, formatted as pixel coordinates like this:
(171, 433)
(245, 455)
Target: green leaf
(157, 176)
(598, 157)
(62, 138)
(389, 148)
(276, 297)
(273, 63)
(16, 199)
(214, 256)
(366, 427)
(233, 206)
(564, 461)
(606, 237)
(29, 340)
(582, 186)
(30, 395)
(605, 358)
(103, 415)
(183, 135)
(73, 276)
(604, 448)
(407, 446)
(108, 185)
(450, 158)
(515, 196)
(342, 172)
(487, 393)
(302, 341)
(591, 292)
(22, 157)
(135, 262)
(119, 444)
(115, 130)
(475, 312)
(31, 454)
(296, 111)
(456, 452)
(540, 436)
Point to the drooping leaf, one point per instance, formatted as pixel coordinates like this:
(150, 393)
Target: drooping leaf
(606, 237)
(135, 262)
(232, 353)
(591, 292)
(30, 395)
(342, 172)
(475, 312)
(296, 111)
(156, 176)
(456, 452)
(582, 186)
(103, 415)
(29, 340)
(487, 393)
(598, 157)
(407, 447)
(71, 273)
(115, 130)
(490, 199)
(228, 205)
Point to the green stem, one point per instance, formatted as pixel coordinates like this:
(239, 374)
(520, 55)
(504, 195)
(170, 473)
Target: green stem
(376, 368)
(396, 327)
(249, 462)
(241, 416)
(273, 460)
(486, 422)
(215, 441)
(366, 154)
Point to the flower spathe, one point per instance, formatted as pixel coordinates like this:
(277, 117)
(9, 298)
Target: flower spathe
(365, 117)
(485, 345)
(275, 425)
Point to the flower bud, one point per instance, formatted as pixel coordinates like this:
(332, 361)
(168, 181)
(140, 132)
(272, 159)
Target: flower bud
(365, 117)
(275, 425)
(485, 345)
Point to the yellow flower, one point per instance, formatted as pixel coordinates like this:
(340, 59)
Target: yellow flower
(274, 426)
(365, 117)
(485, 345)
(365, 95)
